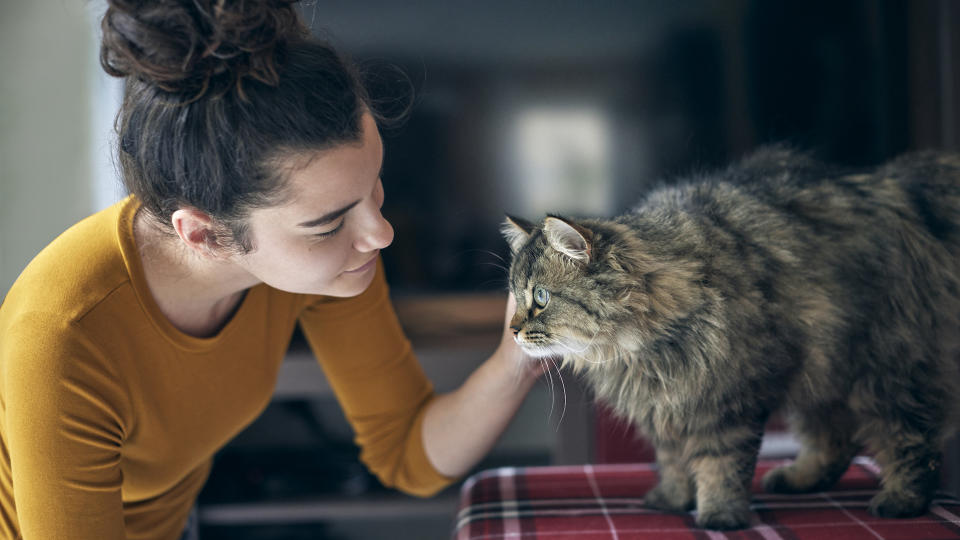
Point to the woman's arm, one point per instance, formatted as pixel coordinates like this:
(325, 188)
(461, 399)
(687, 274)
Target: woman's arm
(63, 433)
(460, 427)
(390, 403)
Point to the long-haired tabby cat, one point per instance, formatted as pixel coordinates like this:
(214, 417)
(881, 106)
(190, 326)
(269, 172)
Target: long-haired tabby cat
(779, 283)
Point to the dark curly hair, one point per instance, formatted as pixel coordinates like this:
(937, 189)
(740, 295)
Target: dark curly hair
(219, 94)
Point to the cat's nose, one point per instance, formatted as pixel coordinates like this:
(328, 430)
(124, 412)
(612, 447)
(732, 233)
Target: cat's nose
(516, 330)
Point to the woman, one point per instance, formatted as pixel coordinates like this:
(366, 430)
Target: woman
(145, 337)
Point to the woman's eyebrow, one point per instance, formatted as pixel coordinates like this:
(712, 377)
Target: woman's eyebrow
(328, 217)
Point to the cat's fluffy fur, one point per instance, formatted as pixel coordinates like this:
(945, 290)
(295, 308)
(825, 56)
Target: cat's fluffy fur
(779, 283)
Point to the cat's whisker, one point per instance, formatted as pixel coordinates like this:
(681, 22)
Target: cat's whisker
(571, 348)
(563, 386)
(584, 357)
(550, 385)
(496, 265)
(488, 252)
(578, 351)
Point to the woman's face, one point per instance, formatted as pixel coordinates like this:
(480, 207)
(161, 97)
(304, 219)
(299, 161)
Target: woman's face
(326, 238)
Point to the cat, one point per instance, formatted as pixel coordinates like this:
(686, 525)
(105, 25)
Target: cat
(779, 283)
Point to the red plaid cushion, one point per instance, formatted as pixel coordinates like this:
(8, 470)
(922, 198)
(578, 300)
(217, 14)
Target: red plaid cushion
(594, 502)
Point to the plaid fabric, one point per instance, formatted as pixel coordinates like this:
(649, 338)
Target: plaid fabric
(603, 502)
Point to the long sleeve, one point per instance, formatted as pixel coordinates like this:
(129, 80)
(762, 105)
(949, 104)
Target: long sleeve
(378, 382)
(109, 415)
(63, 432)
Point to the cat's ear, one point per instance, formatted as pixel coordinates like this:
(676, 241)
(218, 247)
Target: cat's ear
(516, 231)
(568, 238)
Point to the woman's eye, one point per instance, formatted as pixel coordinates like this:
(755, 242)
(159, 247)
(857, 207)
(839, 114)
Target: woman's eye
(329, 233)
(541, 296)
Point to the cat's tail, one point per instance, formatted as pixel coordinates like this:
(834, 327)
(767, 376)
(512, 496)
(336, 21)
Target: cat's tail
(931, 182)
(772, 160)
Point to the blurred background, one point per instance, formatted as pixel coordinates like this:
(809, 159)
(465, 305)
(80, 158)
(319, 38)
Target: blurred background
(579, 107)
(523, 107)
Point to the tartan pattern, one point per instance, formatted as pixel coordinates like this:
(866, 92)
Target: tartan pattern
(603, 502)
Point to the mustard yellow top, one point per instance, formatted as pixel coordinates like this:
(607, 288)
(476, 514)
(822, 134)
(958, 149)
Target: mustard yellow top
(109, 416)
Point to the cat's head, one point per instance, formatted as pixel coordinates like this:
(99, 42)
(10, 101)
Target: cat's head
(589, 287)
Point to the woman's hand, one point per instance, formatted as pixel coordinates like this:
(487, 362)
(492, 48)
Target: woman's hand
(509, 350)
(460, 427)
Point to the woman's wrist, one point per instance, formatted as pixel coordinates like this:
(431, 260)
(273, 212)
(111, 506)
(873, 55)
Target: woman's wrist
(489, 398)
(521, 370)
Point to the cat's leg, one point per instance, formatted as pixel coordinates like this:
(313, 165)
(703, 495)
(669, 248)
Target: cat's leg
(826, 450)
(904, 420)
(675, 492)
(723, 465)
(910, 461)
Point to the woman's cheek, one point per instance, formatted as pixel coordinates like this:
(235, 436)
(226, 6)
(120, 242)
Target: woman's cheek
(327, 261)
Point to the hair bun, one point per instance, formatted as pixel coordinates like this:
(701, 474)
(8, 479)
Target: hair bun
(191, 45)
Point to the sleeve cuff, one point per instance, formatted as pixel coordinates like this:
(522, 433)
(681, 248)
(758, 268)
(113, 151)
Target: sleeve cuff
(429, 480)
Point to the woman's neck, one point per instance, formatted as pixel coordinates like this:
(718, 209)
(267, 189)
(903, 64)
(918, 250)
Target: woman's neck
(197, 294)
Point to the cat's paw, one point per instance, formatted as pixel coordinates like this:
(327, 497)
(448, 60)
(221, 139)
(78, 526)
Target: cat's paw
(725, 518)
(668, 499)
(892, 504)
(788, 479)
(778, 480)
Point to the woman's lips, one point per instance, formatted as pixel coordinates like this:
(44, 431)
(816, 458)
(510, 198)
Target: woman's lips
(366, 266)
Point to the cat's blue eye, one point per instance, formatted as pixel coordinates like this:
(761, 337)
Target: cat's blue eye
(541, 296)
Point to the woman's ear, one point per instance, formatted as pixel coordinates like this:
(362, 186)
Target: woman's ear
(196, 229)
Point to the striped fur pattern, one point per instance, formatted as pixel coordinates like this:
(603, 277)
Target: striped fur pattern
(778, 283)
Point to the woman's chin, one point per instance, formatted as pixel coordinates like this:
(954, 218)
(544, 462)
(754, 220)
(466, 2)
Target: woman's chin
(352, 285)
(343, 286)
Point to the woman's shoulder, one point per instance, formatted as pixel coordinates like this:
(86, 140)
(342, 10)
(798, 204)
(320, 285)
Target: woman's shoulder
(73, 273)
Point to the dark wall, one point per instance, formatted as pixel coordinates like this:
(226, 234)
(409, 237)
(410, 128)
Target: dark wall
(678, 88)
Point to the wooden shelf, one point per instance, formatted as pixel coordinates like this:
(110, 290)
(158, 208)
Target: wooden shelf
(452, 320)
(451, 335)
(446, 366)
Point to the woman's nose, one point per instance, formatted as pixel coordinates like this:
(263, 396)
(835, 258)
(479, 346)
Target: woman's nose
(377, 233)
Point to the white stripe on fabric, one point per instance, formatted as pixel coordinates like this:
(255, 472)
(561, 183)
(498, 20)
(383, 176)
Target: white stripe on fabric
(463, 516)
(851, 516)
(508, 494)
(767, 532)
(945, 514)
(588, 470)
(868, 464)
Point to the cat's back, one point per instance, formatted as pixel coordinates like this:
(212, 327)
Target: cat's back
(779, 189)
(919, 188)
(928, 185)
(783, 237)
